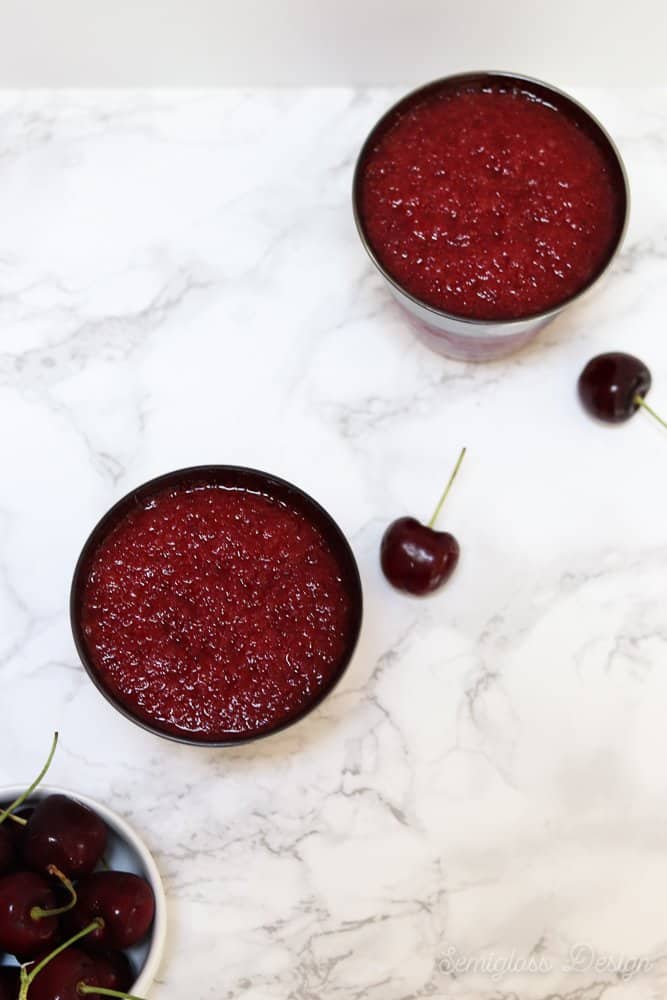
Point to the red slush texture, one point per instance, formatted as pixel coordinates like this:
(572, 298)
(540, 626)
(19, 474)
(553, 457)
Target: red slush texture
(488, 204)
(215, 612)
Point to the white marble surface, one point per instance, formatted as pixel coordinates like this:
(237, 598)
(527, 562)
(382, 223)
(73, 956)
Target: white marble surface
(180, 282)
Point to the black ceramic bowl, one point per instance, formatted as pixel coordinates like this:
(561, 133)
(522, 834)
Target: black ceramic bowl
(234, 477)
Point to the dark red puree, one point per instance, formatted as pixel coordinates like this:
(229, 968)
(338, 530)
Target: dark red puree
(213, 611)
(487, 203)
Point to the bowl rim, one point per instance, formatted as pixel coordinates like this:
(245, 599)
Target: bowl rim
(481, 327)
(334, 536)
(158, 932)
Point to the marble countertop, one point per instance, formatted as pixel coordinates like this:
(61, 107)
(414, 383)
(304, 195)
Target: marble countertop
(181, 283)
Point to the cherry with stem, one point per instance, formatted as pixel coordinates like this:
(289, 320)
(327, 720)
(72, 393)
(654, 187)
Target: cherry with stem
(65, 833)
(28, 978)
(123, 900)
(114, 970)
(414, 556)
(7, 813)
(68, 973)
(28, 912)
(613, 386)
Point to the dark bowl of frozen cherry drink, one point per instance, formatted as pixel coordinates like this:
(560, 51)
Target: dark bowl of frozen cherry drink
(216, 605)
(489, 202)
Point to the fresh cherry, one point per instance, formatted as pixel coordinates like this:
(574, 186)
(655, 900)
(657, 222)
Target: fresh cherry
(125, 903)
(28, 924)
(613, 386)
(9, 982)
(69, 973)
(415, 557)
(11, 839)
(7, 850)
(114, 971)
(16, 825)
(66, 834)
(64, 976)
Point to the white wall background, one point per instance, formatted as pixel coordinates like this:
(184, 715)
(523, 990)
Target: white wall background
(211, 42)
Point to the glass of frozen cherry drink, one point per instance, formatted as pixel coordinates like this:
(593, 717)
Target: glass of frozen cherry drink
(489, 202)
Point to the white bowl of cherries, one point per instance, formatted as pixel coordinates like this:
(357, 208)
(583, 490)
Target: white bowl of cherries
(82, 906)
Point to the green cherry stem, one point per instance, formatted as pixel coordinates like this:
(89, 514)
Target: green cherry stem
(19, 820)
(640, 401)
(38, 912)
(102, 991)
(28, 978)
(436, 513)
(21, 799)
